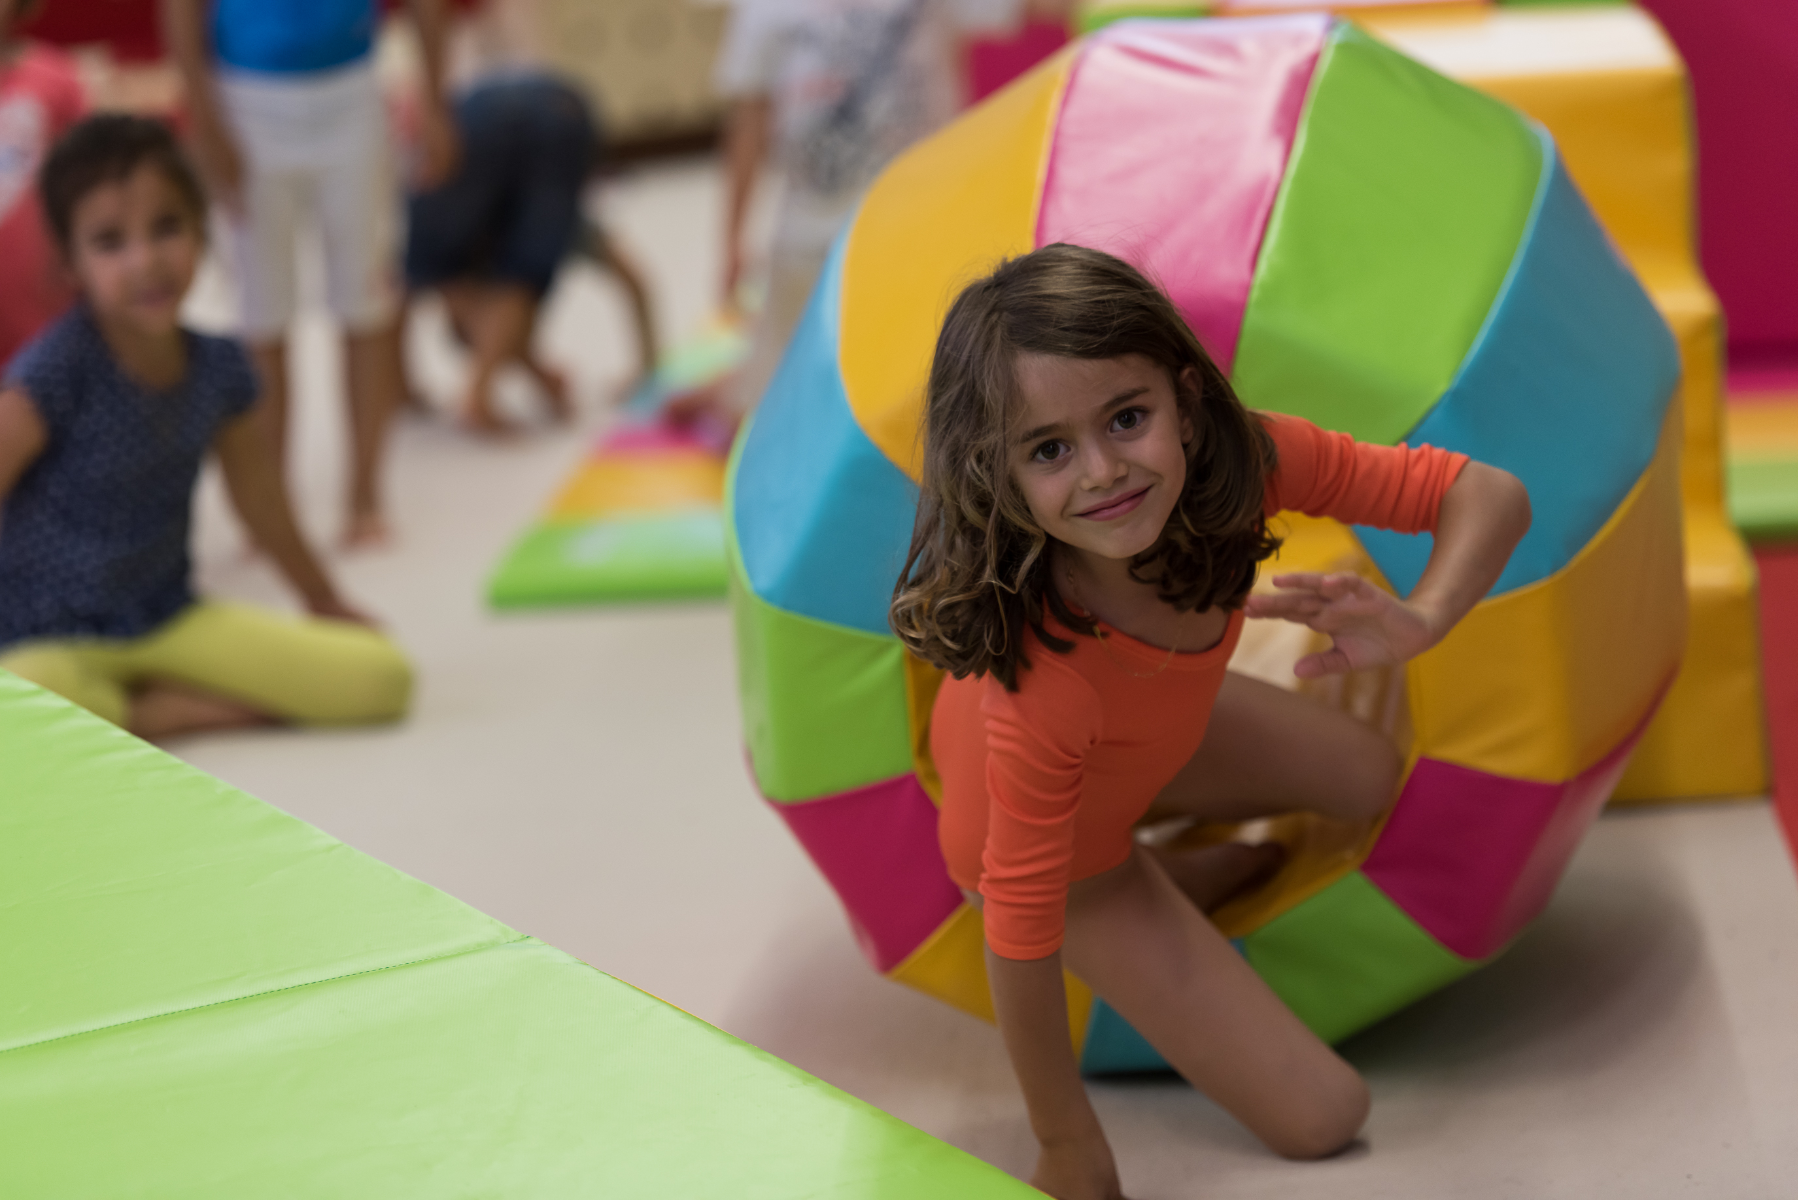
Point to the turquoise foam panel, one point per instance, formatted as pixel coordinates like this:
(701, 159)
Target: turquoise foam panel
(1565, 387)
(823, 518)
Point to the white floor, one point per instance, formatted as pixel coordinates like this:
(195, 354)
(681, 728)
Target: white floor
(580, 776)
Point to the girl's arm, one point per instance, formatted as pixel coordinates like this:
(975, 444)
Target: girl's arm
(1032, 1009)
(1484, 514)
(253, 480)
(23, 436)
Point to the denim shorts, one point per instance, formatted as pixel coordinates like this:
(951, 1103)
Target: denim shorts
(512, 211)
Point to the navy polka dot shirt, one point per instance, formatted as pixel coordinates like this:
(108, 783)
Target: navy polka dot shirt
(93, 539)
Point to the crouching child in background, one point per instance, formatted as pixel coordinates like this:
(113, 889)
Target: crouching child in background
(104, 421)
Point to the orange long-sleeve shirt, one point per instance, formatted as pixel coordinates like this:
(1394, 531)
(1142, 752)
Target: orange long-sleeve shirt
(1044, 785)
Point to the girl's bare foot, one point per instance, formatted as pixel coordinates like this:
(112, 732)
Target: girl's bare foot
(163, 710)
(1212, 876)
(366, 531)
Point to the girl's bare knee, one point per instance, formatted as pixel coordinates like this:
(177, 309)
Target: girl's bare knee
(1325, 1124)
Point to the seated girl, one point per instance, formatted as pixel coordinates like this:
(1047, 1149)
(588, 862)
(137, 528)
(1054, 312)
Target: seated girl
(1095, 504)
(104, 421)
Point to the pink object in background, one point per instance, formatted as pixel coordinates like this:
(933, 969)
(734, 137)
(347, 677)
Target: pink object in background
(1743, 59)
(995, 62)
(1474, 857)
(877, 846)
(1200, 191)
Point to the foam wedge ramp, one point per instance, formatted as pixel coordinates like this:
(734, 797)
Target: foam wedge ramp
(638, 520)
(201, 996)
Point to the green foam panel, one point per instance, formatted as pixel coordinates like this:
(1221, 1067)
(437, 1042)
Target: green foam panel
(1348, 957)
(823, 705)
(202, 997)
(1404, 201)
(622, 559)
(1763, 498)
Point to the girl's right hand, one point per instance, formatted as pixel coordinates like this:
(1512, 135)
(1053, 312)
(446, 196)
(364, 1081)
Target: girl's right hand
(1082, 1169)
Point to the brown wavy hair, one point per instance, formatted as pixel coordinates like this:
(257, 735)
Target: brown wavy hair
(977, 575)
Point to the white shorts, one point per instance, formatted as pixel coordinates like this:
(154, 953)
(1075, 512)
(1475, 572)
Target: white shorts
(314, 147)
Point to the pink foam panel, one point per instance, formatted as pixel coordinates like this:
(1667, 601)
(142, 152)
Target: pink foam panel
(1199, 190)
(877, 846)
(1474, 857)
(662, 436)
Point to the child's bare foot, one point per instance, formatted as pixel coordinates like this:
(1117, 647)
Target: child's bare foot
(1212, 876)
(483, 422)
(163, 710)
(366, 531)
(554, 385)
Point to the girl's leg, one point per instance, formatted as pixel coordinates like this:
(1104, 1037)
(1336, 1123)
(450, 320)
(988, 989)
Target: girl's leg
(95, 675)
(298, 669)
(1270, 751)
(1141, 945)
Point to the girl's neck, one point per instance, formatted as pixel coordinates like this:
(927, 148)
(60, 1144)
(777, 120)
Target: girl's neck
(157, 359)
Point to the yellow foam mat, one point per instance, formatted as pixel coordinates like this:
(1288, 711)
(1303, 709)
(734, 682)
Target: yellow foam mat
(674, 479)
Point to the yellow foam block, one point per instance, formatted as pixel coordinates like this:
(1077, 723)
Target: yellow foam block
(951, 965)
(922, 683)
(934, 221)
(675, 479)
(1708, 740)
(1766, 429)
(1545, 681)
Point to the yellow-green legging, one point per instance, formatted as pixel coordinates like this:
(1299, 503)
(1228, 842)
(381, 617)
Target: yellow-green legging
(301, 670)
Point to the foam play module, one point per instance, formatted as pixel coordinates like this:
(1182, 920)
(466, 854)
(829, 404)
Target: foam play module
(1358, 241)
(204, 997)
(639, 519)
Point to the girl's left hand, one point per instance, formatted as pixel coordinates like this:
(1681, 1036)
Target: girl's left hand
(1369, 627)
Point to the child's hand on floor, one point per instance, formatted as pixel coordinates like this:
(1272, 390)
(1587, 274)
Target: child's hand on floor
(1369, 627)
(1078, 1170)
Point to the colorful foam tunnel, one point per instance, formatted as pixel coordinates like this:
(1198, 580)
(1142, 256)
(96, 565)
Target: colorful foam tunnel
(640, 518)
(1358, 241)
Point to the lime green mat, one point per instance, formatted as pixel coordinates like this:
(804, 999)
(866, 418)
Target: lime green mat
(203, 997)
(1763, 498)
(1404, 202)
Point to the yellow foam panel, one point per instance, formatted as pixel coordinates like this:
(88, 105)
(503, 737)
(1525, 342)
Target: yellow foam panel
(942, 215)
(1543, 682)
(652, 482)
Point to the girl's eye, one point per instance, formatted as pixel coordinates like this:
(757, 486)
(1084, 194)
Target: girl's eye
(1049, 452)
(1130, 418)
(168, 225)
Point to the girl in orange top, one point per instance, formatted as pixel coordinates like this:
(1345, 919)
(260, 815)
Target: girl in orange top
(1094, 508)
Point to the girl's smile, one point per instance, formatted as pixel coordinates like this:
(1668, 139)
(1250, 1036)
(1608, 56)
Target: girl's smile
(1101, 456)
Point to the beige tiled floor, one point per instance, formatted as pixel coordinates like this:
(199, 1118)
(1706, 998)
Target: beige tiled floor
(579, 776)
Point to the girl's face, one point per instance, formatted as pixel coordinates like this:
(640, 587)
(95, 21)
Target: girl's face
(134, 245)
(1100, 457)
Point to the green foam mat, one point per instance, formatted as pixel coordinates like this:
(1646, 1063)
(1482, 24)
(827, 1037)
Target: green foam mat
(647, 556)
(1763, 498)
(1404, 202)
(203, 997)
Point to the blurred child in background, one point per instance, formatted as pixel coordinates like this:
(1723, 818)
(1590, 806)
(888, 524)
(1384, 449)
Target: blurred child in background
(491, 238)
(836, 89)
(40, 96)
(104, 421)
(288, 124)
